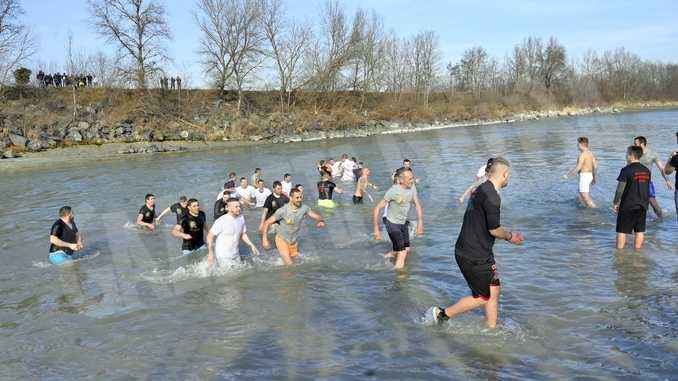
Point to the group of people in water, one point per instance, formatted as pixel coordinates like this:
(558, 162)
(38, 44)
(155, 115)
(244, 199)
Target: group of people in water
(283, 211)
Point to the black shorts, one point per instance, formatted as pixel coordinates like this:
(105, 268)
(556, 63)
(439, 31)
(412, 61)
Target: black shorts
(629, 221)
(479, 275)
(357, 200)
(399, 234)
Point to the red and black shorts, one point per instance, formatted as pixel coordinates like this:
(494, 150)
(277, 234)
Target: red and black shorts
(479, 275)
(630, 221)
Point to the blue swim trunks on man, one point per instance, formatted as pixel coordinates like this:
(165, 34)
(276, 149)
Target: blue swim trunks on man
(59, 258)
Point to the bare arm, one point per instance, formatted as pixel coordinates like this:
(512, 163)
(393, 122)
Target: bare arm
(178, 233)
(669, 169)
(210, 247)
(317, 217)
(662, 169)
(142, 223)
(577, 168)
(618, 194)
(513, 237)
(264, 211)
(163, 214)
(375, 219)
(420, 215)
(245, 238)
(54, 240)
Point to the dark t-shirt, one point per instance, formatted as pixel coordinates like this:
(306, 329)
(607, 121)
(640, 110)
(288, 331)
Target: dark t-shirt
(219, 208)
(674, 164)
(179, 211)
(64, 233)
(637, 192)
(325, 190)
(482, 215)
(148, 214)
(274, 203)
(193, 225)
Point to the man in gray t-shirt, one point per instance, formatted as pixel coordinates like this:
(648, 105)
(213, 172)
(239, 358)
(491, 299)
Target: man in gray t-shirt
(289, 217)
(649, 159)
(399, 200)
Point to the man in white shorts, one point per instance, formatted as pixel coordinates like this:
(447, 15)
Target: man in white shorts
(229, 229)
(586, 167)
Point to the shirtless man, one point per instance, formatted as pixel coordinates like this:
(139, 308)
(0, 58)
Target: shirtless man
(587, 168)
(361, 187)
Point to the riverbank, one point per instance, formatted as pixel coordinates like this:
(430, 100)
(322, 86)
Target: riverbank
(109, 151)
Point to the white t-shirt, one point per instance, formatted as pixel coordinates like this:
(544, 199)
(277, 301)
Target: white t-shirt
(286, 187)
(481, 171)
(336, 169)
(228, 231)
(348, 166)
(261, 196)
(246, 192)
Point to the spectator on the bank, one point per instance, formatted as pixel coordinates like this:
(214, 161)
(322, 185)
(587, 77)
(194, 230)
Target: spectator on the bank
(172, 80)
(178, 83)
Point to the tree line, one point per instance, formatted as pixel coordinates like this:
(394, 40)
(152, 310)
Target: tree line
(256, 44)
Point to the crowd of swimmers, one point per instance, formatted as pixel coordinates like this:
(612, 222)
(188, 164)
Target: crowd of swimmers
(283, 211)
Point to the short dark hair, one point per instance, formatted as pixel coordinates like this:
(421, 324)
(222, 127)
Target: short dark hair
(149, 195)
(498, 160)
(64, 211)
(640, 139)
(294, 191)
(635, 152)
(277, 184)
(192, 200)
(260, 181)
(286, 175)
(231, 174)
(583, 140)
(232, 199)
(407, 161)
(298, 185)
(183, 199)
(243, 178)
(257, 169)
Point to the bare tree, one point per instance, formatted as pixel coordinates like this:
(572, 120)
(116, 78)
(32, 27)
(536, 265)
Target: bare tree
(287, 44)
(553, 63)
(232, 39)
(473, 67)
(138, 28)
(425, 63)
(16, 41)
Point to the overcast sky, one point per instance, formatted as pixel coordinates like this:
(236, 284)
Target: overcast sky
(648, 28)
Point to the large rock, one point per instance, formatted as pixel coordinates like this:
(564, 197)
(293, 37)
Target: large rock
(83, 126)
(74, 136)
(184, 134)
(157, 135)
(18, 140)
(8, 155)
(37, 145)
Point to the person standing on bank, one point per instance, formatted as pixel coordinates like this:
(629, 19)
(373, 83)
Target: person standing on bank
(473, 249)
(64, 238)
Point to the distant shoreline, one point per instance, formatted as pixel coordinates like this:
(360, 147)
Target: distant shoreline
(66, 156)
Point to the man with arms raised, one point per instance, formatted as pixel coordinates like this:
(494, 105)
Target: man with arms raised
(228, 230)
(399, 199)
(587, 168)
(473, 250)
(290, 217)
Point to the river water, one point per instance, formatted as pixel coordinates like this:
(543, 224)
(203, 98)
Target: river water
(571, 307)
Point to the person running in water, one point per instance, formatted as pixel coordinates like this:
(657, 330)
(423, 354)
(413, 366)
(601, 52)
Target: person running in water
(670, 168)
(326, 188)
(257, 176)
(229, 187)
(632, 198)
(146, 216)
(648, 159)
(64, 238)
(261, 194)
(192, 229)
(481, 177)
(221, 206)
(290, 217)
(473, 249)
(287, 184)
(361, 187)
(246, 193)
(587, 167)
(399, 198)
(229, 230)
(178, 209)
(275, 201)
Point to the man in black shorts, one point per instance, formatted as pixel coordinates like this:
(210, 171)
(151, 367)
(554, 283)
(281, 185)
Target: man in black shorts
(473, 250)
(178, 209)
(632, 198)
(274, 201)
(146, 216)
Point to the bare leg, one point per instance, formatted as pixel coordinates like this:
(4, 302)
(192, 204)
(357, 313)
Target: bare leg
(586, 198)
(400, 259)
(492, 307)
(464, 304)
(283, 251)
(621, 241)
(638, 241)
(656, 208)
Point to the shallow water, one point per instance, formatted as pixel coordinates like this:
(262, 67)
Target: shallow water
(571, 306)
